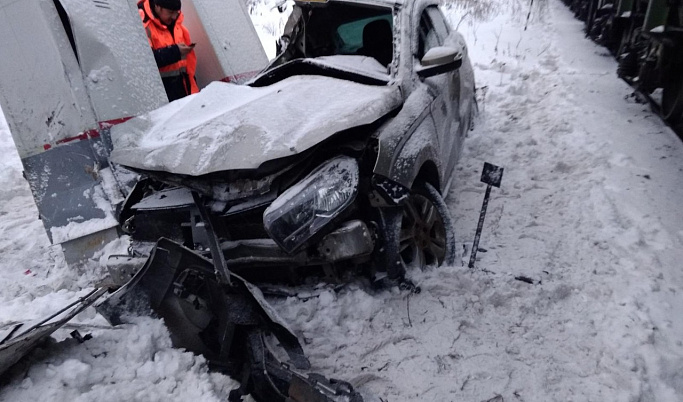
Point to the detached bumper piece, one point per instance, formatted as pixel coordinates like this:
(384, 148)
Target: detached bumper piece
(229, 322)
(19, 339)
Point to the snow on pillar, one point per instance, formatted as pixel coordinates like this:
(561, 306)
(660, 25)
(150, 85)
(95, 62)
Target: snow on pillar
(65, 77)
(228, 47)
(69, 70)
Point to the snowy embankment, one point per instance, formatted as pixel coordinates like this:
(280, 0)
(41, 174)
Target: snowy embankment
(588, 211)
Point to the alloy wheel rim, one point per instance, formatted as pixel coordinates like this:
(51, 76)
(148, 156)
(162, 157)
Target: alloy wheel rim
(423, 234)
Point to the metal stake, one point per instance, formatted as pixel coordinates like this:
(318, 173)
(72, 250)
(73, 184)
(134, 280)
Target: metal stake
(492, 176)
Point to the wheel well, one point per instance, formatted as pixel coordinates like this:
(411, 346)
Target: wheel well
(430, 174)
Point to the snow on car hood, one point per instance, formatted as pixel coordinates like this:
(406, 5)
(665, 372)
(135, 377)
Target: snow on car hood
(228, 126)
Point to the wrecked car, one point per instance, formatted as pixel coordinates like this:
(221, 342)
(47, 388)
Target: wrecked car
(332, 161)
(338, 155)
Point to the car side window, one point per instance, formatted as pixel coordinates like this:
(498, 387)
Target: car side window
(427, 35)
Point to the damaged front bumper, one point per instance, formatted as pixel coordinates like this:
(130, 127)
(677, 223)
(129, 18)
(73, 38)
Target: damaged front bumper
(352, 240)
(229, 322)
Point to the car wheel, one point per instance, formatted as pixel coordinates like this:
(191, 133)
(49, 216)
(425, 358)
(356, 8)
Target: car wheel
(427, 236)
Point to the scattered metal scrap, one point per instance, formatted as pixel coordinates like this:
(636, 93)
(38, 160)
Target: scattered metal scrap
(18, 339)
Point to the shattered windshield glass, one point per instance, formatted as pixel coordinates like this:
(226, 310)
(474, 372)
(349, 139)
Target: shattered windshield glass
(339, 29)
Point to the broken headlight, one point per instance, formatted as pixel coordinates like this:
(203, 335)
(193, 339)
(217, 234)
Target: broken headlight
(305, 208)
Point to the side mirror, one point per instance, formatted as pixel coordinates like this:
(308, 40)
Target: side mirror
(439, 60)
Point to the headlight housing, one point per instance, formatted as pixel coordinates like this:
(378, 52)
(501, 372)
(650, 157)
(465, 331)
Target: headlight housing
(305, 208)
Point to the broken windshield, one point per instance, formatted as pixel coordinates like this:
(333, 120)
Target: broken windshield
(338, 29)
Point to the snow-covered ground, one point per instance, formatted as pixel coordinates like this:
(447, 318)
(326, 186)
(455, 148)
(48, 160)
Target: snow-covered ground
(588, 210)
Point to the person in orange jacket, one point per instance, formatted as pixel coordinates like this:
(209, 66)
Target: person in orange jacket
(173, 49)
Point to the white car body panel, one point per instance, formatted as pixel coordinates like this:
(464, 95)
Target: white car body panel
(232, 127)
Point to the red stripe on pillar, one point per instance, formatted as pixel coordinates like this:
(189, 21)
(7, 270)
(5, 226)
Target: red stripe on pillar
(92, 133)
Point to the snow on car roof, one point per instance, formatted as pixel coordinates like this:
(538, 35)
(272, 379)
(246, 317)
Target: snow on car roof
(369, 2)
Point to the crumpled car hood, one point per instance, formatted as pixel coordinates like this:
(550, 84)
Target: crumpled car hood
(230, 127)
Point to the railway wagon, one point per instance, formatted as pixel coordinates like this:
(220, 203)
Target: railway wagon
(646, 37)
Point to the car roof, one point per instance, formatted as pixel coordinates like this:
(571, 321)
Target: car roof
(384, 3)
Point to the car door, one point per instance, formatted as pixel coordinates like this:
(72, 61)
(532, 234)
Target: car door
(462, 84)
(445, 89)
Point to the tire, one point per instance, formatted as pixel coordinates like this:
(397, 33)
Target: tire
(427, 235)
(672, 99)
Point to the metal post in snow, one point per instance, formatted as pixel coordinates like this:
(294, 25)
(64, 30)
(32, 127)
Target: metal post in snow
(492, 175)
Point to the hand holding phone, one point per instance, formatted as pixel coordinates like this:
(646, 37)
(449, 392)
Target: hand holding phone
(185, 49)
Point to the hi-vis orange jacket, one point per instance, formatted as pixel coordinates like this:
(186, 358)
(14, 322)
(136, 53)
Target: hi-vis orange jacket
(160, 37)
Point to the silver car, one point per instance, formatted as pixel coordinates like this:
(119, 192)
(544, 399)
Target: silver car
(334, 159)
